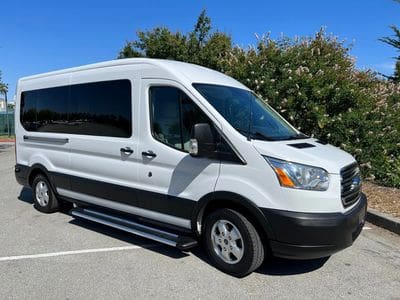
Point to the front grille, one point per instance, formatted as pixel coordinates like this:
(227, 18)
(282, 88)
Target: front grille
(350, 180)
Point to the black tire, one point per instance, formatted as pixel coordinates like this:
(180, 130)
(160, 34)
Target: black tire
(250, 245)
(50, 204)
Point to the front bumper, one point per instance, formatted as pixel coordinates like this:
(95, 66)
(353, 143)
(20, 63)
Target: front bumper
(314, 235)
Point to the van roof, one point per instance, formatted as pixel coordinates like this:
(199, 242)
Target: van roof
(191, 72)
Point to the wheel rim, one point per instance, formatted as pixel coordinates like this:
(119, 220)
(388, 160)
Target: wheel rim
(227, 241)
(42, 193)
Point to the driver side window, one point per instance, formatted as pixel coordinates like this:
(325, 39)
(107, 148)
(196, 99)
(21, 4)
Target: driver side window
(173, 115)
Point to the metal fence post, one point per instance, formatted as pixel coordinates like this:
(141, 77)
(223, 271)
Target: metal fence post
(7, 119)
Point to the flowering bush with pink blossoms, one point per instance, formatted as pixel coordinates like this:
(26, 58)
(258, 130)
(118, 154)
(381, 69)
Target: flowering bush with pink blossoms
(313, 82)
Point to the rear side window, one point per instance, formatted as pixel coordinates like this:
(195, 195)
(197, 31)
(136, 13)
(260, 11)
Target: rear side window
(99, 108)
(28, 111)
(173, 115)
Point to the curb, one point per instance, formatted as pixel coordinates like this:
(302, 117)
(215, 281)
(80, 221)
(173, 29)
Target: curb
(383, 220)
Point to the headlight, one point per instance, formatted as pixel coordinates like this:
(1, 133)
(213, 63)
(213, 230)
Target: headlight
(299, 176)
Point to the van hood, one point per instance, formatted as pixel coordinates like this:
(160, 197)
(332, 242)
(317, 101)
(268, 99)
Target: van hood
(306, 151)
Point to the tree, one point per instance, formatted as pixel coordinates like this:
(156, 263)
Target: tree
(200, 46)
(3, 86)
(394, 42)
(3, 91)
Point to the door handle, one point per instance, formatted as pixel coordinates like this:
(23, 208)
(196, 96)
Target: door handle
(126, 150)
(149, 153)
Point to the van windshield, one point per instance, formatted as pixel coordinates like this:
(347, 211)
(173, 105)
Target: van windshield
(248, 114)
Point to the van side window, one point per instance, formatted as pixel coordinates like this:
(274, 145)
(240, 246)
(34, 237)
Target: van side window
(97, 108)
(173, 115)
(28, 110)
(52, 109)
(45, 110)
(101, 108)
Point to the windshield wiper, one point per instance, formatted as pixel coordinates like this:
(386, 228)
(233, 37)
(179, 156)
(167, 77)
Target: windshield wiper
(257, 135)
(298, 136)
(244, 132)
(261, 136)
(254, 135)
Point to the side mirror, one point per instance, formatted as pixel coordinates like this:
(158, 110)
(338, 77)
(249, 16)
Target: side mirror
(202, 143)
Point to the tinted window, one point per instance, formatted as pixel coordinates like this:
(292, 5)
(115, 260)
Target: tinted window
(100, 108)
(173, 116)
(52, 109)
(28, 110)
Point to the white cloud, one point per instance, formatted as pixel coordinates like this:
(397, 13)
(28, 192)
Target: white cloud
(386, 66)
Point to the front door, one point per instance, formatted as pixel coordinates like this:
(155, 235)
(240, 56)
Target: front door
(171, 180)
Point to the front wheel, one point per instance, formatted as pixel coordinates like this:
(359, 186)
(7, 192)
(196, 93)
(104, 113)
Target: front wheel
(232, 243)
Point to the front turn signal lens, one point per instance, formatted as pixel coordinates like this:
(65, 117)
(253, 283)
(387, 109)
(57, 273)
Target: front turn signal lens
(283, 178)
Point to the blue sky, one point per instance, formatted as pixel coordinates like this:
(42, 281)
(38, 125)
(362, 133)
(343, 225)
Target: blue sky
(40, 36)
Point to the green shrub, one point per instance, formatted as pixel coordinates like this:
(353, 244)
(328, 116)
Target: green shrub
(313, 83)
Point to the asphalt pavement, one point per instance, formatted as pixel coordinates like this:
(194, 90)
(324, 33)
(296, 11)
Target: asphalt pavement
(57, 257)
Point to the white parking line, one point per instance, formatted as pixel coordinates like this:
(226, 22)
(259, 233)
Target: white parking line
(62, 253)
(366, 228)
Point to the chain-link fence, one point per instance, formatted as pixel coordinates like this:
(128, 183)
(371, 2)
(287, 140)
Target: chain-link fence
(7, 124)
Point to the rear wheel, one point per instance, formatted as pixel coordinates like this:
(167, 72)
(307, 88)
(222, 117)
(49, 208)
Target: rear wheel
(44, 199)
(232, 243)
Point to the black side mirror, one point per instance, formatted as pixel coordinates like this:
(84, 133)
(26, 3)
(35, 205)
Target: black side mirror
(202, 143)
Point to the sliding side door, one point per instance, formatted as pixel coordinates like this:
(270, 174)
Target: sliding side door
(103, 143)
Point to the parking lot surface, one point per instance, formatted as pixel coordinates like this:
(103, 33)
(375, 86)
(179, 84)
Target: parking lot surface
(57, 257)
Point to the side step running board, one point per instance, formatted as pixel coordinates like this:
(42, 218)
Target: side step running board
(168, 238)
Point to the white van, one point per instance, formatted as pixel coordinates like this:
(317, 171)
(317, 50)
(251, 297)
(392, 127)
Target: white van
(180, 154)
